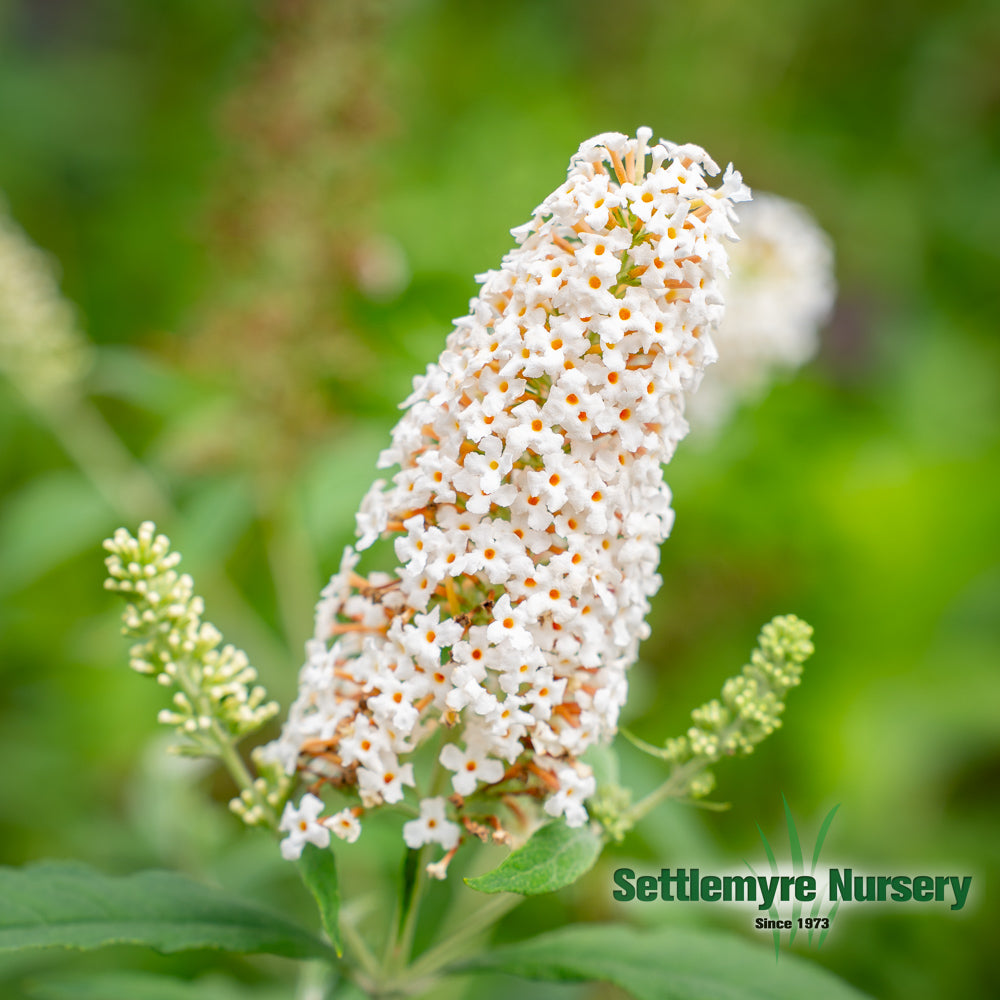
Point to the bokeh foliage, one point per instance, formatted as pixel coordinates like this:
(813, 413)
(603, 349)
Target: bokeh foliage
(220, 182)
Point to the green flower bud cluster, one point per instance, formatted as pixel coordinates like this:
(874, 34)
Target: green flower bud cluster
(751, 704)
(260, 801)
(215, 701)
(749, 710)
(610, 806)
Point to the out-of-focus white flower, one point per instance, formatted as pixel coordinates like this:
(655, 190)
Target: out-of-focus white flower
(779, 294)
(529, 503)
(41, 348)
(303, 826)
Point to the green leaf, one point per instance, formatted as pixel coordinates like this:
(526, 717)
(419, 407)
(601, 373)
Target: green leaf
(773, 911)
(554, 856)
(318, 868)
(820, 839)
(407, 884)
(51, 519)
(144, 380)
(146, 986)
(664, 963)
(59, 904)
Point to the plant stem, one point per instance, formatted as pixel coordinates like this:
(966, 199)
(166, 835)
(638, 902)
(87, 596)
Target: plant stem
(409, 927)
(404, 925)
(315, 980)
(676, 784)
(356, 946)
(480, 920)
(224, 744)
(673, 786)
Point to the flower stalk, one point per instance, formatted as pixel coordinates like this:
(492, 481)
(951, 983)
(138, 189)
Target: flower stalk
(748, 711)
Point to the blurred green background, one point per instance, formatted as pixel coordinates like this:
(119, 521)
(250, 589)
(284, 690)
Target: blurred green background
(266, 216)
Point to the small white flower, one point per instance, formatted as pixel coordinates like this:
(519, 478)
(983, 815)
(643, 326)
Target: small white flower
(433, 827)
(372, 515)
(471, 767)
(574, 788)
(345, 825)
(384, 782)
(508, 625)
(303, 827)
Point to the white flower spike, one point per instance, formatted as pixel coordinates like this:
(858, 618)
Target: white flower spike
(529, 504)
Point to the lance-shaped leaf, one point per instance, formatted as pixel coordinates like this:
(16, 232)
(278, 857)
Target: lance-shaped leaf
(58, 904)
(318, 869)
(554, 856)
(128, 985)
(664, 964)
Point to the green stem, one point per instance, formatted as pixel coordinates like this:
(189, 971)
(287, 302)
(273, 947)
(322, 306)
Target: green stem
(356, 946)
(476, 923)
(315, 980)
(404, 924)
(224, 744)
(674, 786)
(122, 481)
(233, 762)
(409, 928)
(678, 782)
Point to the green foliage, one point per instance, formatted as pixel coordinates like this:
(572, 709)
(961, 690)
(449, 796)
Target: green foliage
(69, 905)
(554, 856)
(664, 964)
(318, 868)
(145, 986)
(36, 537)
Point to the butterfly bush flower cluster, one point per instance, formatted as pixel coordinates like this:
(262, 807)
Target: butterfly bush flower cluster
(779, 293)
(525, 515)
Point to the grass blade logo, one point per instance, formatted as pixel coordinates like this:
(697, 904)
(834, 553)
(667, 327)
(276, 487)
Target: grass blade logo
(816, 924)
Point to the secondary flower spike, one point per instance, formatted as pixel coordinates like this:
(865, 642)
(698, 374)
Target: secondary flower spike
(528, 508)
